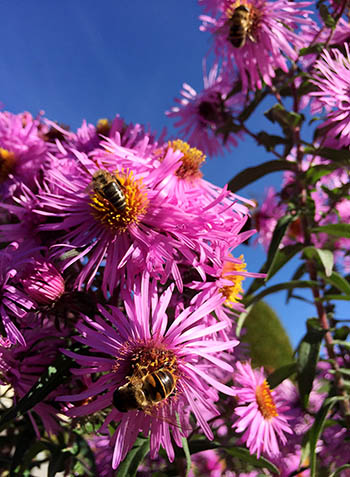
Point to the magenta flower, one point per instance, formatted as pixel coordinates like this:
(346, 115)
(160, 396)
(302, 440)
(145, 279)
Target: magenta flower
(202, 117)
(333, 82)
(14, 303)
(42, 281)
(154, 230)
(261, 412)
(269, 40)
(127, 349)
(22, 151)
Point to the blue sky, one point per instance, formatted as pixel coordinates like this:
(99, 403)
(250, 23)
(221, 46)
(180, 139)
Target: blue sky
(87, 59)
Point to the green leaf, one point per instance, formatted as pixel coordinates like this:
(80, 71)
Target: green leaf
(344, 344)
(277, 237)
(313, 174)
(281, 257)
(337, 155)
(280, 286)
(316, 431)
(339, 469)
(338, 281)
(243, 454)
(330, 297)
(341, 333)
(269, 141)
(251, 174)
(288, 120)
(314, 49)
(135, 457)
(185, 448)
(308, 352)
(327, 18)
(325, 257)
(282, 373)
(339, 230)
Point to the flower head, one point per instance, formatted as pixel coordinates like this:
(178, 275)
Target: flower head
(203, 117)
(257, 36)
(14, 303)
(155, 369)
(116, 206)
(260, 411)
(22, 150)
(333, 82)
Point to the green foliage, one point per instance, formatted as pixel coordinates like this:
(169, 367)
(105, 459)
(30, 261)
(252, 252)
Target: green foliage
(307, 357)
(339, 230)
(251, 174)
(269, 343)
(134, 459)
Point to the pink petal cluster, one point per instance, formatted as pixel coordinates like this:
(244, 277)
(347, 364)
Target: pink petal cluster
(270, 40)
(135, 278)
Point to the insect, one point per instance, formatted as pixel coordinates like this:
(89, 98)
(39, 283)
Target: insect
(109, 187)
(240, 24)
(142, 392)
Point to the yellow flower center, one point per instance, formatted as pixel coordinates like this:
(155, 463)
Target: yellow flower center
(265, 401)
(192, 160)
(136, 203)
(7, 163)
(231, 292)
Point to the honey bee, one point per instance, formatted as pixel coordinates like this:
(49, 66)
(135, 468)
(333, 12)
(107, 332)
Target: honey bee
(240, 24)
(109, 187)
(143, 392)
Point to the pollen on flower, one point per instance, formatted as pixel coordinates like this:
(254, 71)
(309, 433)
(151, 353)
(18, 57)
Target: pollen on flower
(232, 292)
(136, 204)
(265, 401)
(192, 160)
(146, 358)
(7, 163)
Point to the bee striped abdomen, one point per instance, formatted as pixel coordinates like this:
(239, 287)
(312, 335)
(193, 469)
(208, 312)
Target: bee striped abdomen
(159, 385)
(108, 186)
(240, 24)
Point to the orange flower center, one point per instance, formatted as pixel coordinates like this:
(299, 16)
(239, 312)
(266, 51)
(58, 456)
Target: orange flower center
(192, 160)
(136, 203)
(232, 292)
(265, 401)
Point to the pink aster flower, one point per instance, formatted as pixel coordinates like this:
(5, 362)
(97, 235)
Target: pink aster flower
(22, 151)
(268, 38)
(153, 230)
(136, 351)
(202, 117)
(333, 82)
(14, 303)
(261, 412)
